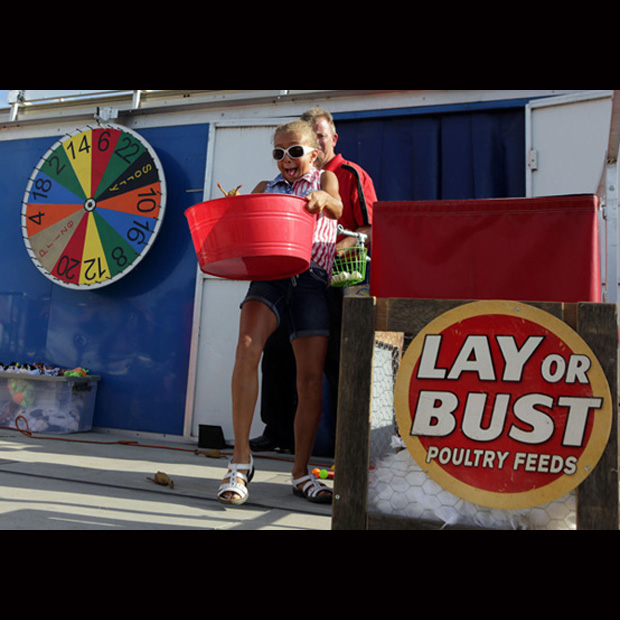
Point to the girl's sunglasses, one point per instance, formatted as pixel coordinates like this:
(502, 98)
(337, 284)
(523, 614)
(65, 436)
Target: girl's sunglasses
(296, 152)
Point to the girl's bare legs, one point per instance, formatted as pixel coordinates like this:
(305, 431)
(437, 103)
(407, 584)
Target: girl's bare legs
(257, 324)
(310, 354)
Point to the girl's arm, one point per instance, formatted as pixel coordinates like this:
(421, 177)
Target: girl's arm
(328, 198)
(260, 188)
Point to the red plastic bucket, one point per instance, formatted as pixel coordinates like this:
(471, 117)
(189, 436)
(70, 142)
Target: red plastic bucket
(255, 237)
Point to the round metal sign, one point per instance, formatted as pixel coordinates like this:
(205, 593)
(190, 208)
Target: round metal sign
(503, 405)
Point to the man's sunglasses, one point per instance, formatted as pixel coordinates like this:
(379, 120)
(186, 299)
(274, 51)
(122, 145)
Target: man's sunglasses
(296, 152)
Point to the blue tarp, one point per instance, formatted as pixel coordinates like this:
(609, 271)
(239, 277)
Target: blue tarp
(460, 155)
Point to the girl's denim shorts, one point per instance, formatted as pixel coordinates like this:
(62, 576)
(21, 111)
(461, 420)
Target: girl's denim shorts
(300, 301)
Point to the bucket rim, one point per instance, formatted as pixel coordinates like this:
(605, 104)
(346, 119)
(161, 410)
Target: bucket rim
(254, 197)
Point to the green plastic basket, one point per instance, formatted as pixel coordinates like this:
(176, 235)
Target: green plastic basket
(350, 267)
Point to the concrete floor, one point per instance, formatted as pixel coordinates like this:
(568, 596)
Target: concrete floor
(98, 481)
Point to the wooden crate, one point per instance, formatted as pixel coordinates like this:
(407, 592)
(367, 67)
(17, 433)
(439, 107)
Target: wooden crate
(598, 497)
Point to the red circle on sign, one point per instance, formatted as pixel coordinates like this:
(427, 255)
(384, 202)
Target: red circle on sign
(466, 451)
(503, 405)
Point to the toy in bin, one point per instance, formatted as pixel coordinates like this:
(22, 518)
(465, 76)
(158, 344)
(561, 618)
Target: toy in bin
(351, 263)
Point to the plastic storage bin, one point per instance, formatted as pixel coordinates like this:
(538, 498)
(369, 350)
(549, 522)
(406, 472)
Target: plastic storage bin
(47, 405)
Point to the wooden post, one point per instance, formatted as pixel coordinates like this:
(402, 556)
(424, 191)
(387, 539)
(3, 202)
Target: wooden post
(598, 497)
(354, 412)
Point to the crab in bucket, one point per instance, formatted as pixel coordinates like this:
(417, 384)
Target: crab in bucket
(232, 192)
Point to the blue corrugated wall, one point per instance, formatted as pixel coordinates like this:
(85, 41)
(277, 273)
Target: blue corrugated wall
(136, 334)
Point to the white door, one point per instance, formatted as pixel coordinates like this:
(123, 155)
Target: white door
(567, 139)
(238, 155)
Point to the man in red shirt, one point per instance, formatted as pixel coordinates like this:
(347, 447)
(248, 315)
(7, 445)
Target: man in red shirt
(357, 189)
(278, 404)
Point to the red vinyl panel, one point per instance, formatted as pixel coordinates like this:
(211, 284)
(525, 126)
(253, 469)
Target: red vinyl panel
(541, 249)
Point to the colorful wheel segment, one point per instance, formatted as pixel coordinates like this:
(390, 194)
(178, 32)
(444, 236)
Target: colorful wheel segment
(93, 207)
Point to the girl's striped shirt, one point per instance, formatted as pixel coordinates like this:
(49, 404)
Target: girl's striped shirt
(326, 229)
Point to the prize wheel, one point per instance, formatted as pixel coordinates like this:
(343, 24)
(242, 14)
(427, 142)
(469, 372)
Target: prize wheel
(93, 207)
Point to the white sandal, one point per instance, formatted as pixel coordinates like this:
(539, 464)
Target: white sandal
(236, 477)
(312, 490)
